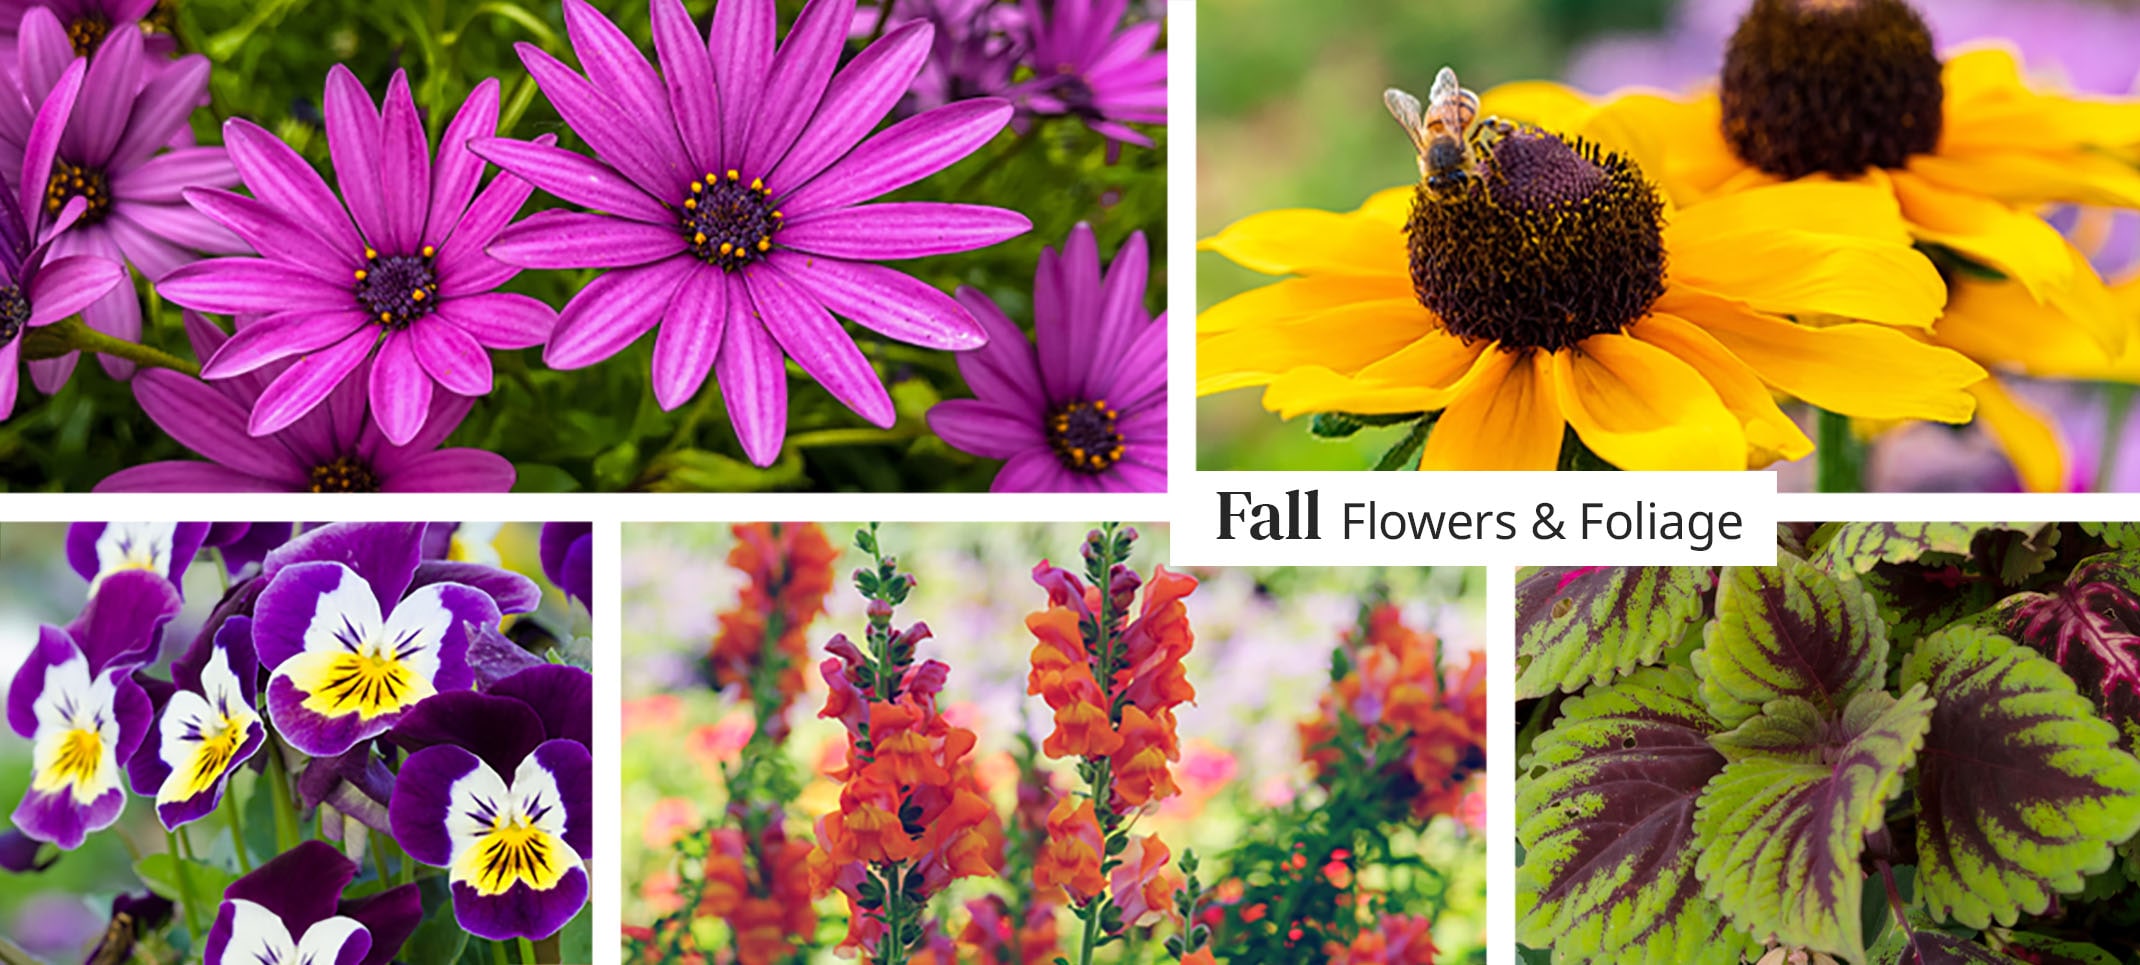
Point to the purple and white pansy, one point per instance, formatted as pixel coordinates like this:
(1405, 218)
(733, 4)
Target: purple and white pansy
(209, 727)
(97, 550)
(290, 911)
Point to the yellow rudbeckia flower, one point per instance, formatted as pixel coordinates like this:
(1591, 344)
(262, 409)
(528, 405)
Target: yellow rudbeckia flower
(1561, 291)
(1969, 152)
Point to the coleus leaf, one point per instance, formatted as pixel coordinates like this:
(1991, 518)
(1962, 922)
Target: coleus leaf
(1605, 816)
(2117, 536)
(1916, 600)
(1927, 947)
(2090, 627)
(1789, 630)
(1855, 547)
(2022, 792)
(1579, 625)
(2047, 950)
(1782, 827)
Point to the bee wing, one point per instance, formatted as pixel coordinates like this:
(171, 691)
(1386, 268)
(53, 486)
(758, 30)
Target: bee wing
(1406, 109)
(1445, 87)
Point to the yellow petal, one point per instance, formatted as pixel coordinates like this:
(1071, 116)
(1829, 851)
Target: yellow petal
(1436, 359)
(1305, 241)
(1504, 418)
(2035, 178)
(2024, 434)
(1390, 206)
(1865, 371)
(1539, 103)
(1770, 434)
(1989, 106)
(1639, 408)
(2000, 325)
(1678, 141)
(1317, 389)
(1744, 246)
(1294, 297)
(1344, 339)
(1865, 208)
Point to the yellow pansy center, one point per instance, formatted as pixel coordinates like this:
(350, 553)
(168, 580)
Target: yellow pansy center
(368, 681)
(1831, 87)
(81, 755)
(212, 756)
(1557, 241)
(729, 220)
(513, 851)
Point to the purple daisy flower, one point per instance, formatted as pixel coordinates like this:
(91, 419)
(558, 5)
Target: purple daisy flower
(978, 45)
(409, 277)
(110, 157)
(333, 448)
(568, 559)
(75, 699)
(291, 910)
(736, 222)
(499, 791)
(207, 729)
(1086, 64)
(86, 23)
(1084, 410)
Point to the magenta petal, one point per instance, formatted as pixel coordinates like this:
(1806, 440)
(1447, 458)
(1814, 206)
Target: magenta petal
(275, 236)
(301, 387)
(576, 239)
(117, 314)
(904, 153)
(400, 388)
(902, 229)
(1121, 312)
(107, 97)
(353, 143)
(742, 50)
(1005, 369)
(161, 111)
(454, 180)
(232, 286)
(186, 477)
(405, 172)
(797, 81)
(43, 52)
(597, 119)
(501, 319)
(690, 337)
(687, 70)
(280, 336)
(10, 376)
(1036, 471)
(810, 336)
(614, 310)
(462, 265)
(577, 179)
(175, 231)
(207, 422)
(277, 175)
(453, 357)
(618, 69)
(164, 178)
(451, 471)
(51, 375)
(984, 430)
(68, 285)
(864, 91)
(886, 301)
(42, 145)
(754, 381)
(1141, 367)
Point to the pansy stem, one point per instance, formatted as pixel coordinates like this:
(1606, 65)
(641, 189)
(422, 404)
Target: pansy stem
(1839, 459)
(527, 951)
(185, 886)
(498, 955)
(71, 334)
(278, 775)
(231, 809)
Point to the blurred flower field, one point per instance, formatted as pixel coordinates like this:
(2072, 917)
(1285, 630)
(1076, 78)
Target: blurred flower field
(1396, 866)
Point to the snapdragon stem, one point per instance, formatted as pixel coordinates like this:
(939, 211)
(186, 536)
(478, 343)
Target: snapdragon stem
(185, 886)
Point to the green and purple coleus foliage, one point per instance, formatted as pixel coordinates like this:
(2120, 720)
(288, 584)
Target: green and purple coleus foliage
(1724, 761)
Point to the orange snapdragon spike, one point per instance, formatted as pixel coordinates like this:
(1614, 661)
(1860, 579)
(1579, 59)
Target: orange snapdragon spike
(1201, 956)
(1081, 726)
(790, 570)
(1399, 691)
(1071, 857)
(769, 909)
(1140, 764)
(902, 748)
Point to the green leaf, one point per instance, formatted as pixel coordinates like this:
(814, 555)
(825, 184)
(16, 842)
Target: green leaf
(1781, 829)
(1605, 818)
(1405, 454)
(205, 882)
(439, 940)
(2117, 536)
(1929, 947)
(1579, 625)
(2046, 950)
(2023, 792)
(1790, 630)
(1855, 547)
(1918, 600)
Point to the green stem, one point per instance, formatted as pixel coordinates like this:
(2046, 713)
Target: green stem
(1839, 459)
(231, 809)
(2119, 400)
(1092, 934)
(185, 885)
(71, 334)
(527, 951)
(278, 775)
(497, 954)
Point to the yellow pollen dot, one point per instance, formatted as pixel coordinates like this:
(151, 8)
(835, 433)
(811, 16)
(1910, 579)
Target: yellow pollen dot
(361, 273)
(777, 214)
(386, 316)
(1076, 453)
(697, 187)
(764, 243)
(699, 239)
(691, 203)
(417, 295)
(757, 184)
(370, 254)
(733, 175)
(726, 248)
(429, 251)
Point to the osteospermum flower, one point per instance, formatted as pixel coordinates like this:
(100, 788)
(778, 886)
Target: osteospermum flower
(1564, 291)
(86, 23)
(742, 238)
(348, 653)
(76, 701)
(1088, 65)
(111, 158)
(978, 45)
(403, 271)
(1968, 150)
(207, 730)
(334, 448)
(291, 910)
(1082, 408)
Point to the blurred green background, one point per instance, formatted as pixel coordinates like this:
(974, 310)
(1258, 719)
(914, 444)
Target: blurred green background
(1289, 114)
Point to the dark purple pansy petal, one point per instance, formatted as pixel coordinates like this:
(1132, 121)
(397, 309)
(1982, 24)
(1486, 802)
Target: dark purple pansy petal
(512, 592)
(82, 539)
(55, 816)
(492, 656)
(521, 911)
(563, 696)
(384, 554)
(502, 730)
(571, 764)
(438, 540)
(302, 886)
(423, 801)
(178, 813)
(391, 916)
(53, 648)
(18, 853)
(559, 541)
(123, 622)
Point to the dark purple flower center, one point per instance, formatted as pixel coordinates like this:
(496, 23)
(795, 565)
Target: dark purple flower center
(1831, 87)
(347, 474)
(728, 221)
(88, 31)
(14, 313)
(1077, 96)
(1084, 436)
(70, 181)
(398, 289)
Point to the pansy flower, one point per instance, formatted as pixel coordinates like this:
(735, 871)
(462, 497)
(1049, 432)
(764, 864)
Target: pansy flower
(334, 448)
(400, 270)
(208, 728)
(97, 163)
(1088, 65)
(76, 701)
(735, 222)
(501, 795)
(349, 646)
(290, 911)
(97, 550)
(568, 559)
(1083, 407)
